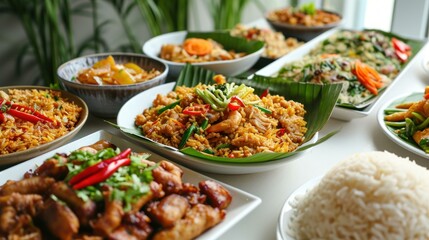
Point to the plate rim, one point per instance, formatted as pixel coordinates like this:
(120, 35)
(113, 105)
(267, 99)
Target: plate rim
(11, 158)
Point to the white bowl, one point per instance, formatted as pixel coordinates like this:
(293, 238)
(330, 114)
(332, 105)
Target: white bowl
(153, 46)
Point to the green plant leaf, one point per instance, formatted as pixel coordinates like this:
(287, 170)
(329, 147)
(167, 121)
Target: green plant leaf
(229, 42)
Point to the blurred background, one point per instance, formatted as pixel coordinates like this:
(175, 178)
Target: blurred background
(37, 36)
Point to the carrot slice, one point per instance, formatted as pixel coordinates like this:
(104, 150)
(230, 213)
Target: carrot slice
(368, 77)
(197, 46)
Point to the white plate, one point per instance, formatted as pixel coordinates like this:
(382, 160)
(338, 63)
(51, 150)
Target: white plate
(338, 112)
(242, 203)
(380, 117)
(138, 103)
(286, 212)
(153, 46)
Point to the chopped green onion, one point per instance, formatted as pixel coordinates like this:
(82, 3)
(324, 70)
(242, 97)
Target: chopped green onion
(169, 106)
(191, 129)
(267, 111)
(223, 145)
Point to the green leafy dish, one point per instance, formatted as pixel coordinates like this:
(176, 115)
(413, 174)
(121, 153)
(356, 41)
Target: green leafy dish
(319, 101)
(406, 121)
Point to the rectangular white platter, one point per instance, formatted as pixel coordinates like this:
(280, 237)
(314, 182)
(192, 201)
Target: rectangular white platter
(338, 112)
(242, 202)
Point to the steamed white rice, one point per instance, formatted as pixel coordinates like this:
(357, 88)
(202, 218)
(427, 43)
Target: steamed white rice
(374, 195)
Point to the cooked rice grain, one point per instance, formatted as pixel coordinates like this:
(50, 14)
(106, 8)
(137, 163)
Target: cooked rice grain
(19, 135)
(374, 195)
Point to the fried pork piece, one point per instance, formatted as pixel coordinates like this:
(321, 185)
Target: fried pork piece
(53, 167)
(29, 203)
(154, 193)
(193, 194)
(85, 210)
(197, 220)
(169, 175)
(110, 219)
(169, 210)
(217, 195)
(34, 185)
(135, 226)
(59, 219)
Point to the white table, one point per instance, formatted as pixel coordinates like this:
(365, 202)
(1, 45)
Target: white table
(273, 187)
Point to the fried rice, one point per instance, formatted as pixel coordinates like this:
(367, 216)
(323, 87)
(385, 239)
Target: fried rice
(19, 135)
(267, 124)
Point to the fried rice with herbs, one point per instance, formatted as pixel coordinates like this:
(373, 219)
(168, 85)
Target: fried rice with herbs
(17, 134)
(225, 119)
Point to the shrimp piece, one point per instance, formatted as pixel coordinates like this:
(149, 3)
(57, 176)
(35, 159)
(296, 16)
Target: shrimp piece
(419, 135)
(420, 107)
(229, 125)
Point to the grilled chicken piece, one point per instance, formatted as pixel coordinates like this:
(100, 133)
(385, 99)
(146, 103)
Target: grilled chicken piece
(53, 167)
(154, 193)
(169, 210)
(193, 194)
(217, 195)
(111, 218)
(59, 219)
(34, 185)
(197, 220)
(85, 210)
(29, 203)
(8, 219)
(135, 225)
(169, 175)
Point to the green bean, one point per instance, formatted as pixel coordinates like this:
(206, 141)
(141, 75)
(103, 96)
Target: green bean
(395, 124)
(389, 111)
(418, 116)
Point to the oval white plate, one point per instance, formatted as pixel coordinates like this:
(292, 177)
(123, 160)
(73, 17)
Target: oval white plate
(138, 103)
(286, 212)
(380, 117)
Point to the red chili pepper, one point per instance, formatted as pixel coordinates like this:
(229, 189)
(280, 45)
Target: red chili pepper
(281, 132)
(401, 56)
(2, 118)
(102, 175)
(196, 110)
(98, 167)
(235, 103)
(31, 111)
(25, 116)
(400, 45)
(426, 96)
(265, 93)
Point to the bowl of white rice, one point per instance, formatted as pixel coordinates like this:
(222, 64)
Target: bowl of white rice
(372, 195)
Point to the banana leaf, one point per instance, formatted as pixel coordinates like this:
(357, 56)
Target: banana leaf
(318, 100)
(229, 42)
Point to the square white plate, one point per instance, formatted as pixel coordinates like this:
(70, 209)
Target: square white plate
(242, 202)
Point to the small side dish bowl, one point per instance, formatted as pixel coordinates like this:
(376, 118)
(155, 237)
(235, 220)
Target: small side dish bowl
(20, 156)
(106, 100)
(153, 46)
(300, 31)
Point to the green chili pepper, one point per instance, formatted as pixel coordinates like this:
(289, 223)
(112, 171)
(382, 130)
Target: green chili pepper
(191, 129)
(267, 111)
(169, 106)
